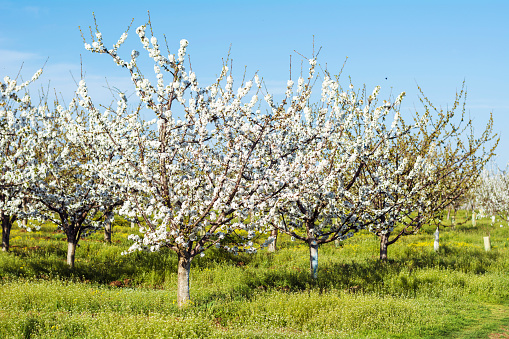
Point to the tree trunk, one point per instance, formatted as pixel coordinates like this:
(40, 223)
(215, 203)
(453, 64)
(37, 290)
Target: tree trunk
(436, 244)
(313, 258)
(184, 267)
(108, 230)
(384, 244)
(273, 245)
(25, 220)
(71, 252)
(448, 213)
(6, 231)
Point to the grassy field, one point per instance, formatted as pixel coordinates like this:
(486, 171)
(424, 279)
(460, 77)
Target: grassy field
(460, 292)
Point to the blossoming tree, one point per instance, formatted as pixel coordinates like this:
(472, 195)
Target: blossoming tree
(16, 151)
(69, 190)
(492, 193)
(456, 159)
(336, 192)
(198, 171)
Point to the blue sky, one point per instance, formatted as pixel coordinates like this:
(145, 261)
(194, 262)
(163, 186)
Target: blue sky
(436, 44)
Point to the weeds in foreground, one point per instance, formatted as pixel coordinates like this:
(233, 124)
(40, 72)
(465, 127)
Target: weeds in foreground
(262, 295)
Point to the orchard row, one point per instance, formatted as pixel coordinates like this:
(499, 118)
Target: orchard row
(222, 160)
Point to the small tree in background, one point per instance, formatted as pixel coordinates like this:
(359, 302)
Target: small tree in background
(492, 193)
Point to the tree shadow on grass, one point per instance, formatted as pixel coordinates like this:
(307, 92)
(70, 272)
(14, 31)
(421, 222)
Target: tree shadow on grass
(392, 277)
(260, 272)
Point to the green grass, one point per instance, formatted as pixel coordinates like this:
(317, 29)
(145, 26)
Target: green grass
(461, 291)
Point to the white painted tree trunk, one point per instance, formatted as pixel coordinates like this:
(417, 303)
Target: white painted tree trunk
(25, 221)
(384, 244)
(436, 244)
(132, 224)
(273, 245)
(337, 243)
(184, 268)
(313, 258)
(474, 219)
(71, 252)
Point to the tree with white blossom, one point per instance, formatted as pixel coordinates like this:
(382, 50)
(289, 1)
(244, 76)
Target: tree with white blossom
(17, 145)
(335, 188)
(68, 189)
(198, 171)
(492, 193)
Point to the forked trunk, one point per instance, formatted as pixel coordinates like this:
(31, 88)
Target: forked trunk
(71, 252)
(6, 231)
(313, 258)
(184, 267)
(273, 245)
(384, 244)
(108, 230)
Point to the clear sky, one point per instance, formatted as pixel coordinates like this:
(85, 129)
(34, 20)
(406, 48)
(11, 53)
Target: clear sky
(395, 44)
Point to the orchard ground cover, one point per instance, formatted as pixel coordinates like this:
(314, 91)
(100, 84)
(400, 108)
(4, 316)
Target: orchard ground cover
(462, 291)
